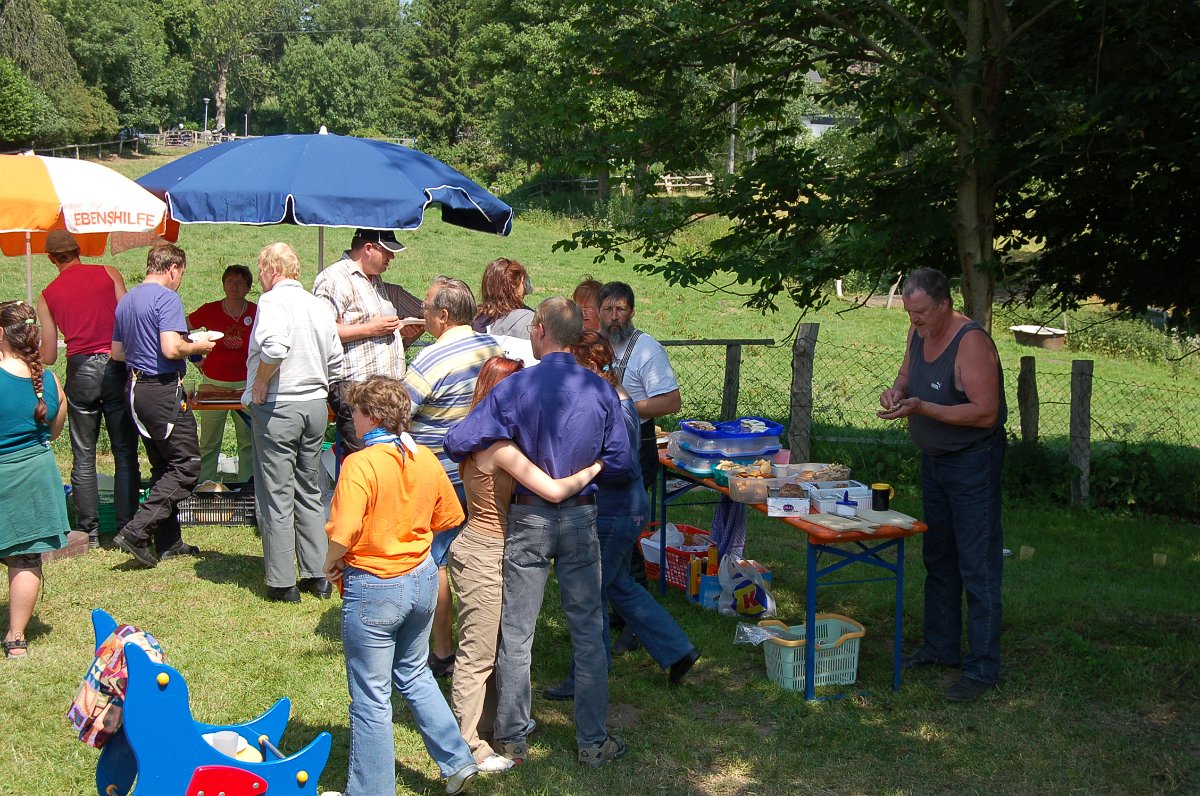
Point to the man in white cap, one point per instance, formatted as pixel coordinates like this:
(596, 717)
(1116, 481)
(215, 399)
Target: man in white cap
(81, 302)
(368, 312)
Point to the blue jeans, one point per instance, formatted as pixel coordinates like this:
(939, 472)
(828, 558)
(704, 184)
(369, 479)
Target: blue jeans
(536, 536)
(964, 550)
(385, 635)
(658, 631)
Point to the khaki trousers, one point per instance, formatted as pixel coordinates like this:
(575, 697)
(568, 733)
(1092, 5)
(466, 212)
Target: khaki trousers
(476, 569)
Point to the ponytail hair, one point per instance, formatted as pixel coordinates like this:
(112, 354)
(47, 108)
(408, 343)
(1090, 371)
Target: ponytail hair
(19, 324)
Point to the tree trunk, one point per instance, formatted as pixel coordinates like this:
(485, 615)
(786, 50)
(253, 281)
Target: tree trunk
(602, 181)
(221, 95)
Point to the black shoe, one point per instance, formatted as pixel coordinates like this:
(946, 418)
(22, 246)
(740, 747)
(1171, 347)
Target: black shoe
(681, 667)
(628, 642)
(562, 692)
(180, 548)
(317, 587)
(441, 667)
(966, 689)
(923, 658)
(141, 552)
(283, 594)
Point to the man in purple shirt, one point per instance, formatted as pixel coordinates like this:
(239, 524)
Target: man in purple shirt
(148, 336)
(563, 417)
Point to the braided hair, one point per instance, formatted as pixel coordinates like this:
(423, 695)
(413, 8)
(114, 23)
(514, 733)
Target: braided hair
(19, 323)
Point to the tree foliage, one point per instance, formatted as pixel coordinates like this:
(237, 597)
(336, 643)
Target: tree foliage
(957, 109)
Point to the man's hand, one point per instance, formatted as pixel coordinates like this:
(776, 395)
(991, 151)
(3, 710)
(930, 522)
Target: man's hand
(890, 399)
(203, 346)
(902, 408)
(384, 325)
(411, 332)
(258, 393)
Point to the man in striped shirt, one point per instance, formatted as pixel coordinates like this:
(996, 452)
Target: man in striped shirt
(440, 382)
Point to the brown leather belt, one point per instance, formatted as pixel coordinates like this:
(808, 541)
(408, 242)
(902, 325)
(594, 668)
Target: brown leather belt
(521, 499)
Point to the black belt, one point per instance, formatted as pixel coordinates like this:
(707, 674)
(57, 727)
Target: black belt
(161, 378)
(521, 499)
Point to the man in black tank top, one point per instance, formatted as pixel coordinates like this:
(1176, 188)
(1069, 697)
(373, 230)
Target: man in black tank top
(951, 389)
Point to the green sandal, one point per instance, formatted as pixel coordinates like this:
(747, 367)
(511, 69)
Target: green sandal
(16, 644)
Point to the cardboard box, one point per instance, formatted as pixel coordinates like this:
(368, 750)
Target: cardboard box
(788, 507)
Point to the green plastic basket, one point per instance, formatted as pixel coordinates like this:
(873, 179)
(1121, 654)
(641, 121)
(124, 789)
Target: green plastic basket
(837, 638)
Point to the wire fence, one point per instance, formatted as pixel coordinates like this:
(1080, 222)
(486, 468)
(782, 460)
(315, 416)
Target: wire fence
(847, 381)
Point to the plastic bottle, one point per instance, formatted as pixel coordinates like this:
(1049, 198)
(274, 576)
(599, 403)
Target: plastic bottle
(711, 569)
(694, 576)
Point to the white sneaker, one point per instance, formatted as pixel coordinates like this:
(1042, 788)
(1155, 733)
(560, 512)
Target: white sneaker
(460, 781)
(495, 764)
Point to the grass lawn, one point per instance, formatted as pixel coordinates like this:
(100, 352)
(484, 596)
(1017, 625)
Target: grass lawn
(1100, 694)
(1101, 687)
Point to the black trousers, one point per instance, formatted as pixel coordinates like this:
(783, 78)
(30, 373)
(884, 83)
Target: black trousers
(97, 391)
(168, 432)
(343, 417)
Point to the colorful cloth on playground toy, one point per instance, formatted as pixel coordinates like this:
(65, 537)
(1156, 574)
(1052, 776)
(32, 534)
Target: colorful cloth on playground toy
(95, 712)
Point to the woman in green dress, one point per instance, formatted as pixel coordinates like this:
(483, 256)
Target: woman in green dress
(33, 513)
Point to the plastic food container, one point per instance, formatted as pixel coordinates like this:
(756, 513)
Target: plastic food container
(766, 445)
(730, 439)
(755, 490)
(703, 464)
(858, 491)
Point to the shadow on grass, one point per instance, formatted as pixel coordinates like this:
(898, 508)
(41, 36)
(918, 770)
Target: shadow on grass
(238, 569)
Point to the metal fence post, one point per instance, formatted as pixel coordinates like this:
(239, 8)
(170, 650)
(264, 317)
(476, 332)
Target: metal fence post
(1027, 399)
(1081, 428)
(800, 427)
(733, 381)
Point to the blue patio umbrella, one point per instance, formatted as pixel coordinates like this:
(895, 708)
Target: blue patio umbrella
(322, 180)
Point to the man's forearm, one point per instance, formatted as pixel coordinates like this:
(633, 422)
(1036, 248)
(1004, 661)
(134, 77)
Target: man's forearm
(266, 372)
(658, 405)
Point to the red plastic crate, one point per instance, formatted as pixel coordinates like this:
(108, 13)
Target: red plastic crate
(677, 560)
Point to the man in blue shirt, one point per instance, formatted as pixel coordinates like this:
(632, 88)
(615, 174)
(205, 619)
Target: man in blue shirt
(148, 336)
(563, 417)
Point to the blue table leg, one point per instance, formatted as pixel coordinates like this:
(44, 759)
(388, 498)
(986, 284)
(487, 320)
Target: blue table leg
(899, 632)
(810, 621)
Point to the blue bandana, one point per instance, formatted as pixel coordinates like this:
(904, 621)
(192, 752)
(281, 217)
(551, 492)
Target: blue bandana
(379, 436)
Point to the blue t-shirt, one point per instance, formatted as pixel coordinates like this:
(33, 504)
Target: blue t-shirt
(145, 311)
(18, 429)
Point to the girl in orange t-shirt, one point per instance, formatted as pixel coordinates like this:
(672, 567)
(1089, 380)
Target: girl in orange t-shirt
(391, 497)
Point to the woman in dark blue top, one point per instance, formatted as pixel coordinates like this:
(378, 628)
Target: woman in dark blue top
(33, 513)
(621, 510)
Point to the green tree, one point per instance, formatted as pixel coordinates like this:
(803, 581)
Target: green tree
(956, 106)
(64, 108)
(232, 36)
(338, 84)
(124, 49)
(438, 89)
(565, 107)
(16, 106)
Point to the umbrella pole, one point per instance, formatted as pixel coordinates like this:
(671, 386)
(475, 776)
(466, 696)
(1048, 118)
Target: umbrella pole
(28, 270)
(320, 249)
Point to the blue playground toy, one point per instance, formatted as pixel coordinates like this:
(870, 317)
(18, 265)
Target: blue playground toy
(160, 744)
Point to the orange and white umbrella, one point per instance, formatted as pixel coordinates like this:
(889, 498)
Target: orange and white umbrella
(90, 200)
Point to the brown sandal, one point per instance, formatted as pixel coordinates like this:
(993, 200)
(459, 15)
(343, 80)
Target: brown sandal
(10, 648)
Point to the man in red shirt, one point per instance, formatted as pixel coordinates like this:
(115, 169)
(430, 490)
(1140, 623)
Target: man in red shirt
(81, 302)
